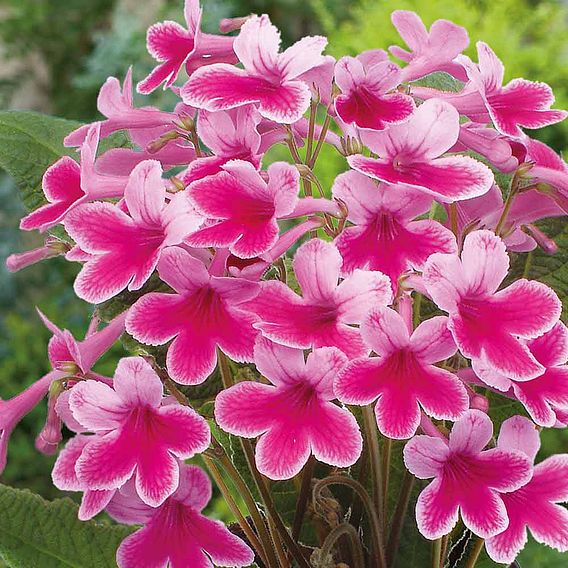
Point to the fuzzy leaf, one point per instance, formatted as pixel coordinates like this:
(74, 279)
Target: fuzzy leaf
(441, 81)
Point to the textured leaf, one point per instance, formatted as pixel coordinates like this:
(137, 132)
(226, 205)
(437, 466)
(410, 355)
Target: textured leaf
(35, 533)
(441, 81)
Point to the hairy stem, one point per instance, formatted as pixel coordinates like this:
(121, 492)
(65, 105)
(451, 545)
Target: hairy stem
(357, 555)
(399, 516)
(475, 552)
(436, 553)
(372, 439)
(385, 475)
(303, 497)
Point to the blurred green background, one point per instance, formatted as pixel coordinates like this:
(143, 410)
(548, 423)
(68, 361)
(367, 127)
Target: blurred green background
(54, 56)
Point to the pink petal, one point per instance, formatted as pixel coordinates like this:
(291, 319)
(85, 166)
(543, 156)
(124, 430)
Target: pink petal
(425, 456)
(236, 335)
(360, 382)
(550, 478)
(257, 241)
(471, 433)
(322, 366)
(286, 104)
(136, 383)
(145, 193)
(278, 363)
(483, 512)
(284, 183)
(519, 433)
(398, 414)
(257, 45)
(385, 331)
(551, 527)
(93, 502)
(444, 280)
(96, 406)
(551, 349)
(505, 546)
(191, 357)
(63, 475)
(504, 470)
(46, 216)
(185, 432)
(62, 181)
(432, 341)
(302, 56)
(143, 548)
(436, 511)
(168, 40)
(181, 270)
(359, 193)
(194, 487)
(157, 477)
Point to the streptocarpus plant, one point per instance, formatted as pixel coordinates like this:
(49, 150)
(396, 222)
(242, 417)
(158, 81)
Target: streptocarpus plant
(378, 355)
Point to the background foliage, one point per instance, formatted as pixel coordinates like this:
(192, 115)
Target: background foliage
(68, 49)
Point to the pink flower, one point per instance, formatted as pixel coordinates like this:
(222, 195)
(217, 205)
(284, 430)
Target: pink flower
(66, 185)
(410, 153)
(136, 433)
(430, 51)
(294, 416)
(204, 312)
(486, 323)
(126, 248)
(466, 478)
(534, 505)
(269, 79)
(52, 247)
(385, 236)
(519, 103)
(173, 46)
(324, 315)
(176, 533)
(403, 376)
(244, 207)
(365, 82)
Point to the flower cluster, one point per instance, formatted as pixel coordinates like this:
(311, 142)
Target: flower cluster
(194, 221)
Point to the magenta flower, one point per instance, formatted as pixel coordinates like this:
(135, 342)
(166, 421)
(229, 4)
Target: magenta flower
(519, 103)
(176, 533)
(324, 315)
(126, 248)
(244, 206)
(294, 416)
(466, 478)
(365, 82)
(403, 378)
(410, 153)
(173, 46)
(269, 79)
(66, 185)
(136, 433)
(205, 312)
(534, 505)
(385, 236)
(430, 51)
(486, 323)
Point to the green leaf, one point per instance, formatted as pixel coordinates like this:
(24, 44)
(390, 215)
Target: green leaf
(35, 533)
(441, 81)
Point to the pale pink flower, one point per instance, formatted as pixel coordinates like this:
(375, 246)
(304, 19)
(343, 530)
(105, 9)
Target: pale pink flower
(174, 46)
(411, 154)
(534, 505)
(176, 533)
(487, 324)
(293, 416)
(269, 79)
(403, 377)
(385, 236)
(519, 103)
(136, 434)
(204, 312)
(366, 84)
(125, 248)
(430, 51)
(52, 247)
(325, 314)
(466, 478)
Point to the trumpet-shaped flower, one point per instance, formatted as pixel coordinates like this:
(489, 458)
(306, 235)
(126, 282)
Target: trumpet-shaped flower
(365, 100)
(173, 46)
(410, 154)
(487, 324)
(385, 236)
(326, 312)
(534, 505)
(176, 533)
(519, 103)
(204, 312)
(244, 207)
(269, 79)
(125, 248)
(294, 416)
(466, 478)
(403, 377)
(136, 433)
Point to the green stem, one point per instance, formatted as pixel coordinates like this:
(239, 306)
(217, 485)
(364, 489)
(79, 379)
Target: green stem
(399, 516)
(475, 552)
(372, 438)
(514, 189)
(303, 497)
(321, 140)
(436, 553)
(453, 208)
(385, 474)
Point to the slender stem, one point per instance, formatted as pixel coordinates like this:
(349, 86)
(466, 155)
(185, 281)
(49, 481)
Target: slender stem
(282, 556)
(399, 516)
(385, 474)
(372, 437)
(357, 504)
(195, 142)
(514, 189)
(224, 369)
(354, 542)
(291, 142)
(475, 552)
(444, 550)
(311, 127)
(453, 211)
(321, 140)
(303, 497)
(436, 553)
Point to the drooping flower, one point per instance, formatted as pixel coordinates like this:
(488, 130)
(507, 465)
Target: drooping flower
(66, 184)
(466, 478)
(430, 51)
(174, 46)
(244, 207)
(534, 505)
(136, 433)
(52, 247)
(326, 312)
(125, 248)
(487, 324)
(385, 236)
(176, 533)
(269, 79)
(294, 416)
(366, 101)
(519, 103)
(403, 377)
(204, 312)
(410, 153)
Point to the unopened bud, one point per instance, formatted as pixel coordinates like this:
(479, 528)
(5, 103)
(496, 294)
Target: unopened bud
(69, 367)
(187, 123)
(542, 239)
(227, 25)
(159, 143)
(479, 402)
(525, 168)
(177, 185)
